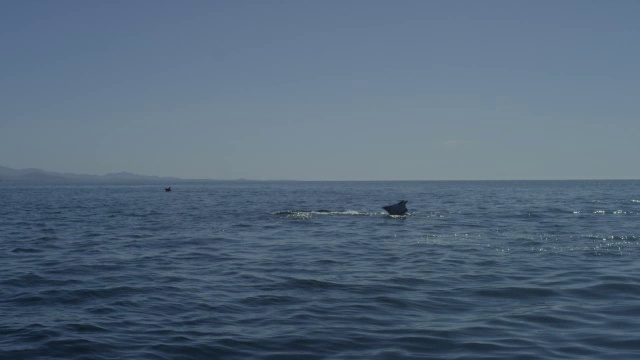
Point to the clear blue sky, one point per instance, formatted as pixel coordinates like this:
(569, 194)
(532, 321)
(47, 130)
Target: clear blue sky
(322, 90)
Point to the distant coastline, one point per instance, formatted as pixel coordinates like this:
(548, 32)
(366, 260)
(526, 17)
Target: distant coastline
(34, 176)
(39, 176)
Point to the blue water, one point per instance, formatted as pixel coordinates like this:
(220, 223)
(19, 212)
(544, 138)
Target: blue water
(253, 270)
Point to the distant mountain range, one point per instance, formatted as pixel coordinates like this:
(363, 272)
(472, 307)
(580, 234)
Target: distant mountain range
(38, 176)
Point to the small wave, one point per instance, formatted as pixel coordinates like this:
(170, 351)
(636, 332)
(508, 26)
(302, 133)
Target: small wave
(72, 348)
(34, 280)
(310, 213)
(265, 300)
(399, 216)
(25, 250)
(311, 284)
(515, 292)
(604, 212)
(612, 238)
(85, 328)
(603, 290)
(557, 210)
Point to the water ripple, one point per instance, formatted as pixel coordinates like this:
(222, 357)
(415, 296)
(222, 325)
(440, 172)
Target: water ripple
(479, 270)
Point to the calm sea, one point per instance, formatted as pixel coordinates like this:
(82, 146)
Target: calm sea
(316, 270)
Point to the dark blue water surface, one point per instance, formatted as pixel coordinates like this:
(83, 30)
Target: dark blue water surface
(315, 270)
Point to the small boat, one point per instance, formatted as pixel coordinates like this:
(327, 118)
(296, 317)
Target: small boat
(167, 189)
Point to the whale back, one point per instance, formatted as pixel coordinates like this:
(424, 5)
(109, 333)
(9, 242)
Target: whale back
(397, 209)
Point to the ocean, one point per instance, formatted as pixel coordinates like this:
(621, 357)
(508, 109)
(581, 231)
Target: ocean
(317, 270)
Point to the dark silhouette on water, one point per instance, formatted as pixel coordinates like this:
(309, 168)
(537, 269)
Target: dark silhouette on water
(167, 189)
(397, 209)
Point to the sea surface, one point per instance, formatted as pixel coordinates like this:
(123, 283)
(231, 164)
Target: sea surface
(317, 270)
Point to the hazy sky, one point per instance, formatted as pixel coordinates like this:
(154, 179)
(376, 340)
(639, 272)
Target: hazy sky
(322, 90)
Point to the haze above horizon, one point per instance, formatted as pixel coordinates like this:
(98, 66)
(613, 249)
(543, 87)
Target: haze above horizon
(322, 90)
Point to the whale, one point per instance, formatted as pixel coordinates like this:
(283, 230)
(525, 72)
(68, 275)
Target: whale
(397, 209)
